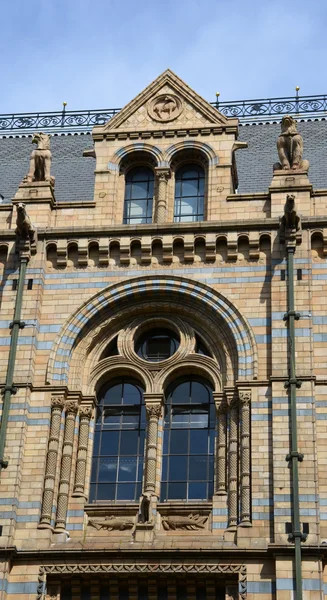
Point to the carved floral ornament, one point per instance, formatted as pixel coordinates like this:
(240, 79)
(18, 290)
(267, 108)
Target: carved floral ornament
(165, 107)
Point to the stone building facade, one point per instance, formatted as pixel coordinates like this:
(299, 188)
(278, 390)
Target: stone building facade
(165, 434)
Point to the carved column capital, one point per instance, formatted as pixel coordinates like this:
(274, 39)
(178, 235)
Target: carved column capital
(163, 173)
(220, 402)
(153, 410)
(85, 411)
(71, 407)
(245, 396)
(57, 402)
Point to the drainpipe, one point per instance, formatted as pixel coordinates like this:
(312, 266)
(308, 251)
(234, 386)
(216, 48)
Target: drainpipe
(23, 247)
(290, 230)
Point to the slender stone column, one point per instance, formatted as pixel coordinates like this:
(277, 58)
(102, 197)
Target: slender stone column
(66, 464)
(221, 408)
(85, 414)
(153, 411)
(161, 209)
(57, 404)
(232, 462)
(245, 400)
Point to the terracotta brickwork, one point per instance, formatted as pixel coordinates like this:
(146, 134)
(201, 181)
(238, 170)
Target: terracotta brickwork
(92, 280)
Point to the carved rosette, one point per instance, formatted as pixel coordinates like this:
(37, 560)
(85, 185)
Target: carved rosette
(162, 177)
(57, 404)
(232, 460)
(221, 408)
(153, 411)
(66, 464)
(245, 401)
(85, 414)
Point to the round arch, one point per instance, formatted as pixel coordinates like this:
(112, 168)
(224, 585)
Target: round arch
(124, 151)
(205, 149)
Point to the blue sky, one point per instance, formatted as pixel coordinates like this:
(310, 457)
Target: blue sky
(101, 53)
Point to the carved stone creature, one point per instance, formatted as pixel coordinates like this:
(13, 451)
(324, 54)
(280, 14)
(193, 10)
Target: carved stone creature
(145, 515)
(111, 523)
(189, 523)
(290, 220)
(290, 147)
(24, 227)
(40, 162)
(165, 107)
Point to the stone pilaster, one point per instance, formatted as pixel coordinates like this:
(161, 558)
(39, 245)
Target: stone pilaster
(221, 408)
(245, 402)
(66, 464)
(232, 460)
(161, 209)
(85, 414)
(57, 404)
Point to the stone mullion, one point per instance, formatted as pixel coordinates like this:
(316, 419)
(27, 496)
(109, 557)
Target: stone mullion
(221, 408)
(161, 211)
(85, 415)
(232, 462)
(153, 411)
(66, 465)
(57, 404)
(245, 400)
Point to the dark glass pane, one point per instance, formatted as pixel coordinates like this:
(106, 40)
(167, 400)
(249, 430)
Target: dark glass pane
(109, 443)
(139, 174)
(212, 442)
(66, 593)
(96, 442)
(140, 470)
(143, 592)
(200, 593)
(198, 441)
(178, 468)
(85, 593)
(123, 592)
(94, 469)
(139, 190)
(165, 442)
(179, 442)
(190, 187)
(106, 491)
(163, 491)
(131, 394)
(125, 491)
(181, 592)
(112, 417)
(198, 468)
(92, 493)
(177, 491)
(162, 592)
(197, 491)
(130, 420)
(189, 206)
(180, 418)
(164, 468)
(181, 393)
(127, 469)
(138, 490)
(200, 393)
(114, 394)
(159, 348)
(128, 442)
(210, 491)
(200, 420)
(107, 469)
(104, 592)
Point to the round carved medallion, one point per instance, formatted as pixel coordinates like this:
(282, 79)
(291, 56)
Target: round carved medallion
(165, 107)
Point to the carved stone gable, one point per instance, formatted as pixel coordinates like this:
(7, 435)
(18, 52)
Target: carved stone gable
(166, 103)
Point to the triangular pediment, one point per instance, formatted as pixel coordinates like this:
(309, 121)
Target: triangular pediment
(167, 103)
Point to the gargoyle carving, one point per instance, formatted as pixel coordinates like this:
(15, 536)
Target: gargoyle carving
(290, 219)
(187, 523)
(24, 227)
(145, 515)
(111, 523)
(40, 162)
(290, 147)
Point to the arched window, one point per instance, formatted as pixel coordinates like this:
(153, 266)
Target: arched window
(189, 193)
(139, 183)
(117, 466)
(188, 446)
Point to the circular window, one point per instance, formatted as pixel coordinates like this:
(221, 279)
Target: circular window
(157, 344)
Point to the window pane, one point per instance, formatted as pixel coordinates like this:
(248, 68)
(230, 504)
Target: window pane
(106, 491)
(177, 491)
(109, 442)
(181, 393)
(94, 469)
(107, 469)
(189, 206)
(198, 468)
(127, 469)
(179, 442)
(139, 190)
(96, 443)
(111, 417)
(190, 188)
(130, 420)
(197, 491)
(199, 420)
(198, 441)
(114, 395)
(180, 418)
(189, 194)
(128, 442)
(125, 491)
(178, 468)
(132, 394)
(164, 472)
(138, 195)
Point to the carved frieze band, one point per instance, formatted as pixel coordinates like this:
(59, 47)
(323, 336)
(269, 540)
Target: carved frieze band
(66, 464)
(85, 414)
(57, 405)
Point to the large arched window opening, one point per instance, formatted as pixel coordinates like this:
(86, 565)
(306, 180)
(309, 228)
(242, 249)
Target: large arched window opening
(189, 193)
(118, 452)
(188, 443)
(139, 186)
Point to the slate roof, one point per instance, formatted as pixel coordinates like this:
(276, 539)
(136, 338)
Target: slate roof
(75, 174)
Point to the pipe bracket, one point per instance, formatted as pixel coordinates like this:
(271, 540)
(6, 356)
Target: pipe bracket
(295, 454)
(21, 324)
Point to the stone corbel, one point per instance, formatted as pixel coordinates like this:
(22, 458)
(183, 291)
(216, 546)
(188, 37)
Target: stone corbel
(125, 250)
(104, 252)
(210, 250)
(83, 252)
(85, 414)
(71, 408)
(254, 245)
(146, 250)
(167, 248)
(189, 247)
(62, 253)
(57, 405)
(245, 403)
(232, 245)
(163, 175)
